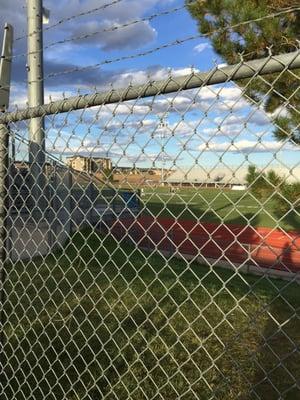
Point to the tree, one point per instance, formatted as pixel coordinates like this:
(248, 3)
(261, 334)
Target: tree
(260, 184)
(290, 199)
(216, 19)
(252, 175)
(268, 185)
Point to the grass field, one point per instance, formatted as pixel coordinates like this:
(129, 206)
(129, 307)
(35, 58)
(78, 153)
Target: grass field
(216, 205)
(102, 320)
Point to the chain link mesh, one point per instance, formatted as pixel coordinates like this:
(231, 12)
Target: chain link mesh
(156, 259)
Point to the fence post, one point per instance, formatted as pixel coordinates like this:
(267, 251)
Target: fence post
(36, 98)
(4, 133)
(5, 78)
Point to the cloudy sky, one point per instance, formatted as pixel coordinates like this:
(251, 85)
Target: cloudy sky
(211, 125)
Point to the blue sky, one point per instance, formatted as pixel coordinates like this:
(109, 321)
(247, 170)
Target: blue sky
(211, 125)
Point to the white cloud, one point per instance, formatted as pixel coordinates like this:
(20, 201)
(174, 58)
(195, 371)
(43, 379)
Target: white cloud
(176, 129)
(219, 98)
(228, 131)
(110, 110)
(159, 107)
(246, 146)
(129, 37)
(231, 106)
(19, 96)
(139, 77)
(130, 128)
(140, 126)
(253, 115)
(218, 91)
(230, 120)
(201, 47)
(118, 14)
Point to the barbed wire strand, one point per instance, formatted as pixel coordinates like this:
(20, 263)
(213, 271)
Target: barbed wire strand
(161, 47)
(105, 30)
(70, 18)
(167, 45)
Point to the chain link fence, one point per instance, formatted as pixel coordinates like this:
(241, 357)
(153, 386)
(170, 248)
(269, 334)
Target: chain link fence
(156, 260)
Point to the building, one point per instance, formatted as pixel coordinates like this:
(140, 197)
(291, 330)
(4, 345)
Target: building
(138, 170)
(231, 177)
(89, 164)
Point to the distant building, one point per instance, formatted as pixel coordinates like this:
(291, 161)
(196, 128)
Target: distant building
(89, 164)
(140, 170)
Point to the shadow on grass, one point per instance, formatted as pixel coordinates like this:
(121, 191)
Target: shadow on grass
(278, 360)
(102, 319)
(202, 214)
(292, 219)
(267, 216)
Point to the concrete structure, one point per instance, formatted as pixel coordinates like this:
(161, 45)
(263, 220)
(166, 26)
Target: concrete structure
(27, 236)
(231, 177)
(89, 164)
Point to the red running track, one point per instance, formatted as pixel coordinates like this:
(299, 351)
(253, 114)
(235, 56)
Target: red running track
(264, 247)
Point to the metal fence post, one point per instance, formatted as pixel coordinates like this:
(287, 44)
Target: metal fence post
(5, 78)
(36, 98)
(4, 133)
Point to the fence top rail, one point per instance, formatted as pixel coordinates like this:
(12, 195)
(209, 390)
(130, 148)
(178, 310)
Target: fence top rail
(242, 70)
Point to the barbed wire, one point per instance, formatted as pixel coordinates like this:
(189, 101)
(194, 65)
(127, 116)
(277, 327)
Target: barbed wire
(167, 45)
(105, 30)
(70, 18)
(163, 46)
(127, 24)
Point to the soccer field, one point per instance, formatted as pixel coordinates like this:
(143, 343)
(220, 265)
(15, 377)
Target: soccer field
(217, 205)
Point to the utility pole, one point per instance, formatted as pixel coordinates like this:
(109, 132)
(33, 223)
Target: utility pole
(36, 98)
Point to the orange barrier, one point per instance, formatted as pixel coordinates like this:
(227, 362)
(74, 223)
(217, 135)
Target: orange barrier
(264, 247)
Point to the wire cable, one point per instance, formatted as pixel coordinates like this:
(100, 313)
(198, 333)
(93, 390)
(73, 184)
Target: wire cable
(113, 28)
(168, 45)
(67, 19)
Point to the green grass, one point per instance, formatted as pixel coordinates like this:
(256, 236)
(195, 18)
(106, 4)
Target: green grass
(216, 205)
(103, 320)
